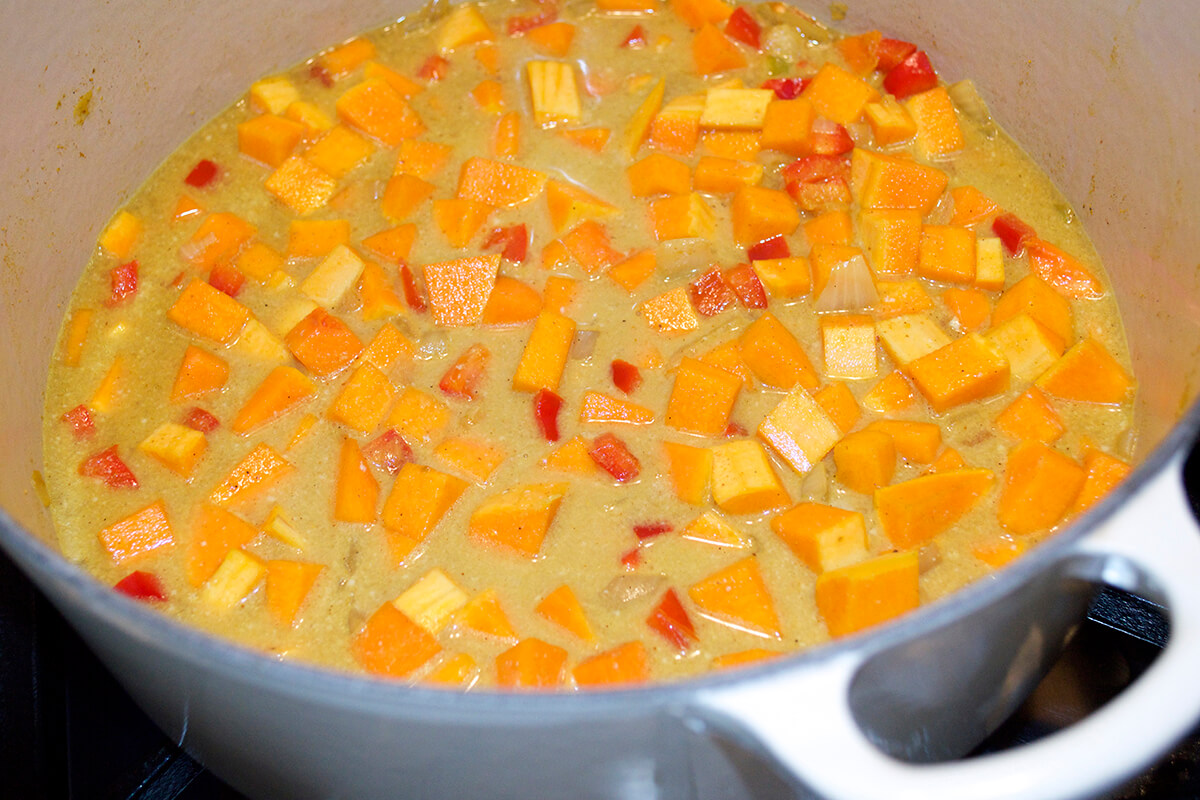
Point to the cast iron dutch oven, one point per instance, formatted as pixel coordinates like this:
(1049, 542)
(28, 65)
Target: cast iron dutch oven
(1104, 93)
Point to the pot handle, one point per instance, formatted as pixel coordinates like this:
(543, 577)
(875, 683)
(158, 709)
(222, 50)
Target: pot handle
(1151, 544)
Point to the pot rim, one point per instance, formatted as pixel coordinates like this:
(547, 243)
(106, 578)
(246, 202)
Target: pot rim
(382, 695)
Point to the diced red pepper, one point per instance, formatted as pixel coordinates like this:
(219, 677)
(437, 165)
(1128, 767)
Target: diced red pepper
(545, 413)
(648, 530)
(465, 374)
(108, 467)
(911, 76)
(786, 88)
(744, 28)
(123, 280)
(513, 242)
(626, 376)
(226, 278)
(746, 285)
(412, 293)
(671, 620)
(434, 69)
(201, 420)
(80, 420)
(204, 173)
(177, 281)
(518, 24)
(389, 451)
(812, 195)
(611, 454)
(1013, 232)
(775, 247)
(632, 559)
(812, 169)
(636, 39)
(321, 75)
(830, 138)
(710, 294)
(734, 430)
(142, 586)
(892, 52)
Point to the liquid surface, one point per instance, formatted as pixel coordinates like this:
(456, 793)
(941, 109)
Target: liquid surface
(624, 544)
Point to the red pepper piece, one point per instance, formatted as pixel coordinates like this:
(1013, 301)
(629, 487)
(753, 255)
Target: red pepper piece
(123, 280)
(733, 430)
(412, 293)
(671, 621)
(626, 376)
(226, 278)
(710, 294)
(108, 467)
(321, 75)
(892, 52)
(201, 420)
(911, 76)
(1013, 232)
(465, 374)
(142, 586)
(786, 88)
(513, 242)
(775, 247)
(744, 28)
(80, 420)
(812, 169)
(648, 530)
(746, 285)
(204, 173)
(820, 194)
(518, 24)
(636, 39)
(830, 138)
(611, 454)
(545, 413)
(632, 559)
(434, 69)
(389, 451)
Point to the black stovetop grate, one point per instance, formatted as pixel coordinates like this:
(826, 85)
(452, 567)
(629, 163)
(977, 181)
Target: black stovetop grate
(67, 730)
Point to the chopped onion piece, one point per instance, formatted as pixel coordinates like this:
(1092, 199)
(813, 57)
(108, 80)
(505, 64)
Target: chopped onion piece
(433, 345)
(971, 105)
(678, 256)
(583, 345)
(943, 212)
(625, 589)
(850, 287)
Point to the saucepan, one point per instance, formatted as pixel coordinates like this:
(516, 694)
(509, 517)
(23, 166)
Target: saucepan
(1105, 95)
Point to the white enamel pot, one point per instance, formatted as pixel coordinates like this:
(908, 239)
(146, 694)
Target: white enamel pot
(1104, 94)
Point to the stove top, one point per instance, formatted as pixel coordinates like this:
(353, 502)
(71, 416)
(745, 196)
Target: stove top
(68, 731)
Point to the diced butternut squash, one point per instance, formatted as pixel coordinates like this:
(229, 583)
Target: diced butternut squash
(882, 181)
(915, 441)
(759, 213)
(890, 121)
(743, 480)
(1033, 296)
(717, 175)
(891, 239)
(838, 95)
(200, 372)
(177, 447)
(419, 499)
(840, 405)
(553, 39)
(738, 596)
(517, 520)
(111, 388)
(377, 295)
(823, 537)
(392, 645)
(947, 254)
(865, 460)
(735, 108)
(76, 333)
(1030, 417)
(860, 596)
(570, 204)
(258, 471)
(969, 368)
(562, 608)
(989, 264)
(690, 469)
(775, 356)
(209, 313)
(236, 577)
(288, 585)
(848, 346)
(459, 289)
(600, 407)
(269, 139)
(785, 278)
(545, 355)
(912, 512)
(670, 313)
(971, 206)
(787, 126)
(713, 52)
(483, 614)
(938, 132)
(301, 186)
(552, 92)
(1029, 347)
(572, 456)
(1104, 472)
(121, 235)
(364, 400)
(473, 457)
(1040, 485)
(460, 218)
(681, 216)
(658, 173)
(334, 276)
(139, 534)
(348, 56)
(432, 600)
(558, 293)
(356, 494)
(379, 111)
(830, 227)
(702, 398)
(1066, 273)
(403, 195)
(512, 302)
(323, 343)
(531, 664)
(588, 244)
(710, 528)
(462, 26)
(640, 122)
(418, 415)
(622, 665)
(389, 350)
(215, 533)
(338, 151)
(799, 430)
(676, 128)
(1088, 373)
(315, 238)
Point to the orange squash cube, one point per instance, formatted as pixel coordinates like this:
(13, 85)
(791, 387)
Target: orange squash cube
(848, 345)
(823, 537)
(838, 95)
(658, 174)
(969, 368)
(459, 289)
(860, 596)
(1088, 373)
(774, 355)
(865, 460)
(269, 139)
(947, 254)
(738, 596)
(138, 534)
(759, 213)
(379, 111)
(690, 469)
(702, 398)
(419, 499)
(743, 480)
(914, 511)
(1040, 485)
(545, 355)
(517, 520)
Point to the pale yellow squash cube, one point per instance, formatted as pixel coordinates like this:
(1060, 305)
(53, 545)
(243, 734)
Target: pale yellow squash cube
(177, 447)
(233, 581)
(910, 336)
(553, 92)
(333, 277)
(431, 601)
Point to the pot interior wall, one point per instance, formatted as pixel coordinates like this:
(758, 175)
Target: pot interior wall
(1101, 93)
